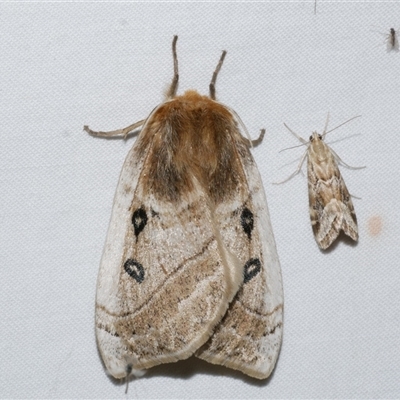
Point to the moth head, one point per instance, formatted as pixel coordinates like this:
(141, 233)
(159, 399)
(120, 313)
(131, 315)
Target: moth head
(314, 136)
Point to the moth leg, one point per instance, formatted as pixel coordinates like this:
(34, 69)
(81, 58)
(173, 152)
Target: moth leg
(215, 74)
(252, 143)
(175, 80)
(298, 169)
(260, 138)
(340, 161)
(124, 131)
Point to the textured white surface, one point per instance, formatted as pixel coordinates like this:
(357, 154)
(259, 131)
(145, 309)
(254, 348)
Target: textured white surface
(106, 64)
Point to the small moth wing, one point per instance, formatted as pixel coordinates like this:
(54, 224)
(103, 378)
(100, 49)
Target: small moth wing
(331, 207)
(166, 277)
(249, 336)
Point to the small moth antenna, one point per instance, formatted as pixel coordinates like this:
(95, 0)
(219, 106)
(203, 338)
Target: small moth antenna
(295, 134)
(215, 74)
(336, 127)
(174, 84)
(326, 125)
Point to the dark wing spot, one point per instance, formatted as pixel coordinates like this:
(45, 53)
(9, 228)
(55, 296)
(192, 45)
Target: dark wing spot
(251, 269)
(135, 270)
(154, 213)
(139, 220)
(247, 221)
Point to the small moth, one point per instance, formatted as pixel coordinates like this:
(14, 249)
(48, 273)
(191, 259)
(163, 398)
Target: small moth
(190, 265)
(392, 41)
(331, 208)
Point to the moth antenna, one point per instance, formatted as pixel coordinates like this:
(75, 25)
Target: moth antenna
(326, 125)
(295, 134)
(215, 74)
(342, 139)
(336, 127)
(174, 84)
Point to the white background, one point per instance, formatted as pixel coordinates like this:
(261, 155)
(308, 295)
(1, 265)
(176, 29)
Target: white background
(64, 65)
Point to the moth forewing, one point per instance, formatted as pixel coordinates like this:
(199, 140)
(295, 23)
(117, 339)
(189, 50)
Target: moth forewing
(190, 263)
(249, 336)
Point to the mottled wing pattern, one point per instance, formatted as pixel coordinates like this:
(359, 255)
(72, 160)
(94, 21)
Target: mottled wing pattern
(249, 336)
(331, 208)
(166, 278)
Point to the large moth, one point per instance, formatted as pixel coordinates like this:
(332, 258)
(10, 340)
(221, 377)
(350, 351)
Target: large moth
(190, 265)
